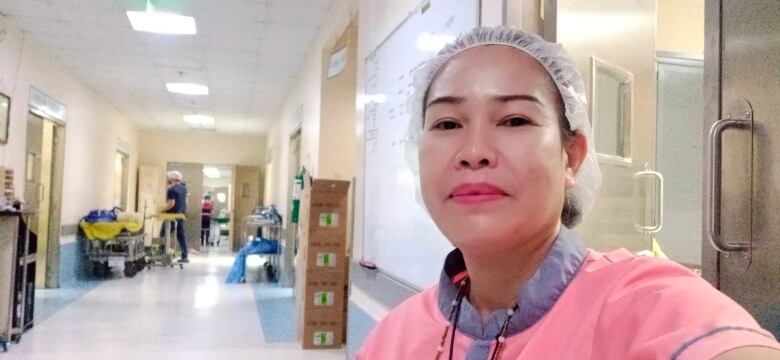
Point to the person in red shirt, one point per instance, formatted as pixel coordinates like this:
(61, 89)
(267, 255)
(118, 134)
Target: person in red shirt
(207, 208)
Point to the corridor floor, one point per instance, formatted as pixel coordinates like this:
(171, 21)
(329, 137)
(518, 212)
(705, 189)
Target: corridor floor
(164, 314)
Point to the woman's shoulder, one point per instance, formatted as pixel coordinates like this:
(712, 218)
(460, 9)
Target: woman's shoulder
(622, 263)
(667, 306)
(622, 274)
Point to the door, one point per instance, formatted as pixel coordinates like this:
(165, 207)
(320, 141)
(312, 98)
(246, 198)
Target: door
(121, 165)
(293, 167)
(248, 180)
(150, 195)
(192, 175)
(43, 194)
(34, 192)
(680, 155)
(622, 94)
(741, 84)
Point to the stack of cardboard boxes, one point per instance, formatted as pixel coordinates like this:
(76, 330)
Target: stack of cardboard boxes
(321, 278)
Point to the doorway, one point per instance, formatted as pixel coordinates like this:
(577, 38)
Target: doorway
(43, 193)
(293, 168)
(218, 190)
(121, 164)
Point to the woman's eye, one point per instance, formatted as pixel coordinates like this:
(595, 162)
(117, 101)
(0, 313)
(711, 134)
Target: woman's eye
(446, 125)
(515, 121)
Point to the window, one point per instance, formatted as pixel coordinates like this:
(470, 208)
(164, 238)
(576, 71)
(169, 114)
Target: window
(611, 110)
(120, 180)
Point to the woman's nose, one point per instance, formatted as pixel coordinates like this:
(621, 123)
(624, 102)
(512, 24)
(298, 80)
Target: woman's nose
(476, 153)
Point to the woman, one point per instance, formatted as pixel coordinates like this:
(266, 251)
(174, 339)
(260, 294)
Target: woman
(506, 169)
(207, 208)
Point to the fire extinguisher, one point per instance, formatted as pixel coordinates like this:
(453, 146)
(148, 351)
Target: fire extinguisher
(296, 196)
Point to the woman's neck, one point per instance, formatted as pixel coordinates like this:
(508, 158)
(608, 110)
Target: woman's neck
(496, 278)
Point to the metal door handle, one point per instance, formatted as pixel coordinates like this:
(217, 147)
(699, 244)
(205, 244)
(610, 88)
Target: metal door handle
(715, 150)
(658, 215)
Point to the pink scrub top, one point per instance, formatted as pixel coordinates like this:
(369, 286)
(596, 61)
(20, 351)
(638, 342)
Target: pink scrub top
(580, 304)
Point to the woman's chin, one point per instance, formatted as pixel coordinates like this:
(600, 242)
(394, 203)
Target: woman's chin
(471, 241)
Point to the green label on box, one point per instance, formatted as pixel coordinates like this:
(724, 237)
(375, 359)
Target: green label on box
(323, 338)
(329, 220)
(324, 298)
(326, 259)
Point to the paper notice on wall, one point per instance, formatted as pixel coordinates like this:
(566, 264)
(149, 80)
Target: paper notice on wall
(338, 61)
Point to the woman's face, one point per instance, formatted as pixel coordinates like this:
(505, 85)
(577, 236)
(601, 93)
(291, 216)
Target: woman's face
(493, 168)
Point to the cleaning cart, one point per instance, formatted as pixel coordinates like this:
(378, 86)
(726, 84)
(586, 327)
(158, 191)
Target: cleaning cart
(160, 252)
(115, 242)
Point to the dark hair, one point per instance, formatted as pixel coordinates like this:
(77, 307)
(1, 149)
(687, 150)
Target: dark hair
(571, 214)
(207, 197)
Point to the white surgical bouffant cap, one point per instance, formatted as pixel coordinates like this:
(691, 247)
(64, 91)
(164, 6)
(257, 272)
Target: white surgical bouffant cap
(174, 175)
(564, 74)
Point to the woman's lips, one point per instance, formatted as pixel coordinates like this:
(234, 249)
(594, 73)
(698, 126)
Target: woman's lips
(475, 193)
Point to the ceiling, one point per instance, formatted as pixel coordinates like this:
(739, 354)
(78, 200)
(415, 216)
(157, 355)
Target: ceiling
(225, 177)
(247, 51)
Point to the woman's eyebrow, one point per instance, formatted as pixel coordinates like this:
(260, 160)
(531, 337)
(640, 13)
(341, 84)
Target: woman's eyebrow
(452, 100)
(518, 97)
(457, 100)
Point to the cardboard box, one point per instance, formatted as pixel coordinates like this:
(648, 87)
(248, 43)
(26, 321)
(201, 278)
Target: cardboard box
(323, 224)
(324, 292)
(325, 252)
(324, 333)
(320, 300)
(324, 207)
(320, 277)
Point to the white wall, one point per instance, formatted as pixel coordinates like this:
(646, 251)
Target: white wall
(160, 147)
(376, 20)
(680, 26)
(94, 127)
(305, 95)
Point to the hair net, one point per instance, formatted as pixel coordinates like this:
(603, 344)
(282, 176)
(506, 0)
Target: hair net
(174, 175)
(562, 70)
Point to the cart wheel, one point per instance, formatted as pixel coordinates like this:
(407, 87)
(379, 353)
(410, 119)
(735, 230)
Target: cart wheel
(100, 269)
(130, 269)
(181, 266)
(140, 264)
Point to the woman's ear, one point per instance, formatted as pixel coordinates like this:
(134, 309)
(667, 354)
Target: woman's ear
(576, 151)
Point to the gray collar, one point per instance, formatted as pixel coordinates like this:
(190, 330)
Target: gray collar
(535, 298)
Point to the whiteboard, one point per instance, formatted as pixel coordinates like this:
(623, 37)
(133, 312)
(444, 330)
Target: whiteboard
(398, 235)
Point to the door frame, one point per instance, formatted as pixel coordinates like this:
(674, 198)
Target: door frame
(51, 277)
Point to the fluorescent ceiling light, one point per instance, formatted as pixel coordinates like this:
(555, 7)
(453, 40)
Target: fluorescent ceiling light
(211, 172)
(433, 42)
(187, 88)
(199, 121)
(161, 23)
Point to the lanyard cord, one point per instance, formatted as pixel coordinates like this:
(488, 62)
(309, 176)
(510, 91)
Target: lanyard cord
(452, 322)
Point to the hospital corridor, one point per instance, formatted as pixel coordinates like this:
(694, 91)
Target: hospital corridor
(153, 316)
(385, 180)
